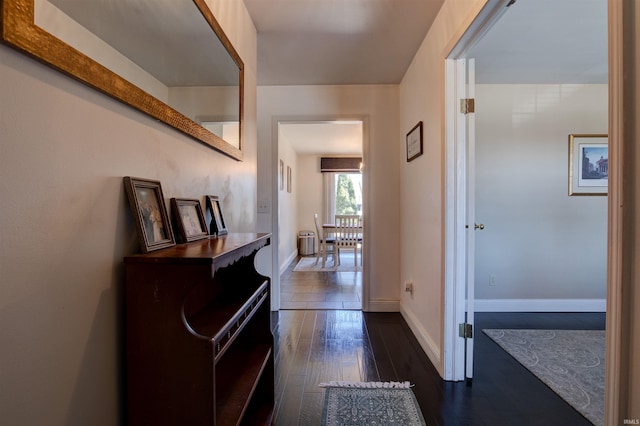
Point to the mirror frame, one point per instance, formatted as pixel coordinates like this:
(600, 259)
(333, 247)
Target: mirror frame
(19, 31)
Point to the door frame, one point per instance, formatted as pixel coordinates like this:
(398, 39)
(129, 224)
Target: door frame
(456, 201)
(617, 344)
(616, 393)
(275, 201)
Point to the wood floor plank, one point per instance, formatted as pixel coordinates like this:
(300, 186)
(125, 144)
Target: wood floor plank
(300, 362)
(288, 409)
(351, 371)
(311, 408)
(286, 337)
(320, 290)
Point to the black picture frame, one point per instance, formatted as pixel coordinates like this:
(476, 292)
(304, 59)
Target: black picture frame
(217, 225)
(146, 201)
(188, 219)
(414, 142)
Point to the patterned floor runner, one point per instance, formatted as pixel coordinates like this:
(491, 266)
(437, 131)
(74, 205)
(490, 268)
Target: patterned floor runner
(370, 403)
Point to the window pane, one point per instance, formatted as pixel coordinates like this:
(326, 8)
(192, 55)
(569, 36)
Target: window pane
(348, 193)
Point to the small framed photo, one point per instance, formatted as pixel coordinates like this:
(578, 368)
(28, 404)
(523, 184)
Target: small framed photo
(149, 213)
(189, 220)
(217, 225)
(588, 164)
(414, 142)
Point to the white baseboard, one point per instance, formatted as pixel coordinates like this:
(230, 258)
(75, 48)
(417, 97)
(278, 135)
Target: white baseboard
(287, 262)
(540, 305)
(428, 345)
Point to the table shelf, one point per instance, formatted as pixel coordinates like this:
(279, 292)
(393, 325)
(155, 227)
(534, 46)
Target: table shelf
(199, 344)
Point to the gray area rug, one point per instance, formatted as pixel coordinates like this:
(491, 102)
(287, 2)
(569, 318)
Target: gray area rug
(570, 362)
(370, 403)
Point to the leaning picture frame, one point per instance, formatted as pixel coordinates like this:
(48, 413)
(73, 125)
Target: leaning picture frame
(149, 213)
(217, 225)
(188, 219)
(588, 164)
(414, 142)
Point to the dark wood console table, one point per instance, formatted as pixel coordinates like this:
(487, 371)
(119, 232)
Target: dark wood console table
(199, 342)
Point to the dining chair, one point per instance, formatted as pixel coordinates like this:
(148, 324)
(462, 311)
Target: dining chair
(330, 242)
(348, 235)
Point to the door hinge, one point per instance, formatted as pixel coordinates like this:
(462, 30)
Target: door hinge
(466, 330)
(467, 105)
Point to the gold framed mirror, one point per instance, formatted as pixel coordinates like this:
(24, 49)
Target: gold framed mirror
(167, 58)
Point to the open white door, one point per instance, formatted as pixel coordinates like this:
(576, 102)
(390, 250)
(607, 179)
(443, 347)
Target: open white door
(471, 226)
(465, 226)
(459, 226)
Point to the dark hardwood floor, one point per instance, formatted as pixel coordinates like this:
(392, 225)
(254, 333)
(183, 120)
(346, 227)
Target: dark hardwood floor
(318, 346)
(320, 290)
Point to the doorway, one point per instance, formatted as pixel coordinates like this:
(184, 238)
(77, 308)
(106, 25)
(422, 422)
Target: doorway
(532, 103)
(304, 282)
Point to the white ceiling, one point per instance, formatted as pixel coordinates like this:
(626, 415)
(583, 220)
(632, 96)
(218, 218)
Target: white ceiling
(338, 41)
(326, 138)
(373, 41)
(545, 42)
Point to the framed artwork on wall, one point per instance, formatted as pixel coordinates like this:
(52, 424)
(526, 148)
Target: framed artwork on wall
(414, 142)
(289, 177)
(588, 164)
(189, 220)
(149, 213)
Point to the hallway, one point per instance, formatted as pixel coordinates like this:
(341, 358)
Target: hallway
(320, 290)
(317, 346)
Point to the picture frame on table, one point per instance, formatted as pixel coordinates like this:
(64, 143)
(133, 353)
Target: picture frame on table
(217, 225)
(189, 220)
(588, 164)
(151, 220)
(414, 142)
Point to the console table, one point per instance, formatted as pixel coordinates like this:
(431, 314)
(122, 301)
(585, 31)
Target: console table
(199, 343)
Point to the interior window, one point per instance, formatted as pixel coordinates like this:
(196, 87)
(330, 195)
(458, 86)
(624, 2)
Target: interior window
(348, 193)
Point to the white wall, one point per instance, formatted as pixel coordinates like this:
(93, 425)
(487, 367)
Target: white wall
(65, 226)
(422, 180)
(309, 182)
(288, 206)
(538, 242)
(378, 107)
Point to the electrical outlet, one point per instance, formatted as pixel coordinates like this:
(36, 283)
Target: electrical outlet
(492, 280)
(408, 287)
